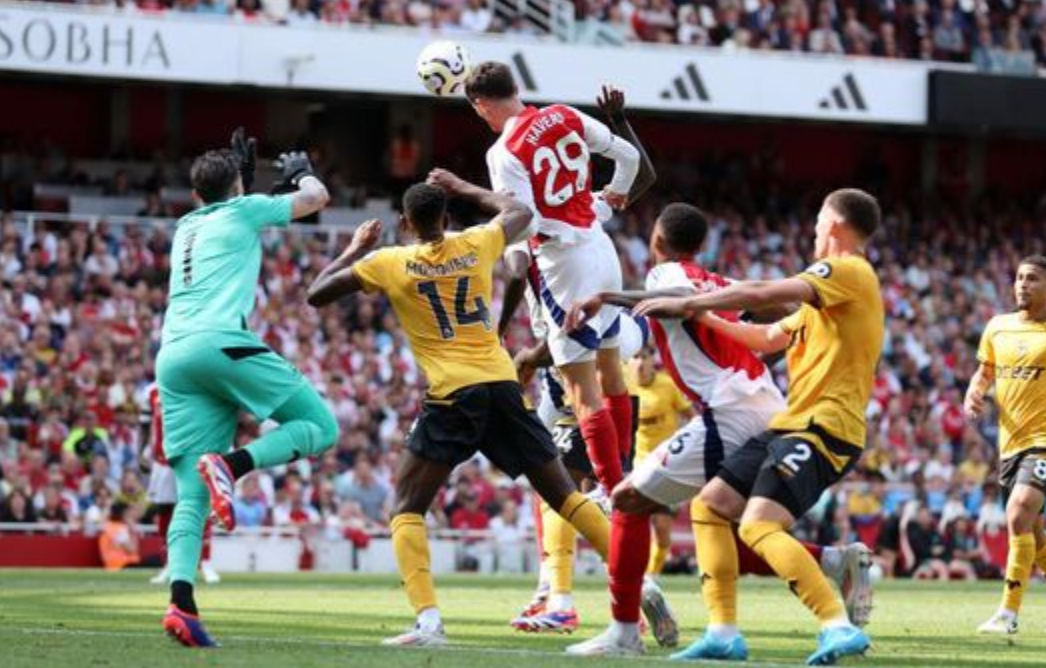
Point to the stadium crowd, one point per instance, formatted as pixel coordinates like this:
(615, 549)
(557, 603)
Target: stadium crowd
(80, 317)
(996, 36)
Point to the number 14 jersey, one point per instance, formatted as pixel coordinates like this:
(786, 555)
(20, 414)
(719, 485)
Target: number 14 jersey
(543, 157)
(441, 293)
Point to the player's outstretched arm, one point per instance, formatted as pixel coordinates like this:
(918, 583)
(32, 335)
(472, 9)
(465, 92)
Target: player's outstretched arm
(582, 312)
(517, 263)
(602, 141)
(611, 102)
(338, 278)
(296, 176)
(739, 296)
(514, 217)
(765, 339)
(974, 404)
(245, 150)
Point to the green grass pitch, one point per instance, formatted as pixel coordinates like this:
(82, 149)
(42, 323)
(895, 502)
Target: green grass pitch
(90, 619)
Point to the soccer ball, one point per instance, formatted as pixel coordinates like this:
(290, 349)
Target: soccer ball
(443, 67)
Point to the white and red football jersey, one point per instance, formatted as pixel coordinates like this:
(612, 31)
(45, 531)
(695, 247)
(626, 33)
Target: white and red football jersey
(709, 367)
(543, 157)
(156, 433)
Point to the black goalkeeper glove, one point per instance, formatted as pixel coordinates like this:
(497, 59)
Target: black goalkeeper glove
(294, 166)
(244, 148)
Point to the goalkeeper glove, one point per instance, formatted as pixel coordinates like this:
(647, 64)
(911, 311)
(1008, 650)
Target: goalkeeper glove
(294, 166)
(244, 148)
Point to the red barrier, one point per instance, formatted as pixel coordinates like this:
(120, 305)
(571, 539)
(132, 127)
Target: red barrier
(73, 551)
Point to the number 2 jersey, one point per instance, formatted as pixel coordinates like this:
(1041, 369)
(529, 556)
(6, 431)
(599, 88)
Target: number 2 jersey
(1016, 349)
(216, 259)
(441, 293)
(543, 157)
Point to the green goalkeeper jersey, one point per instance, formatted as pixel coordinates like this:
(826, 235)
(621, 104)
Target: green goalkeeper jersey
(215, 262)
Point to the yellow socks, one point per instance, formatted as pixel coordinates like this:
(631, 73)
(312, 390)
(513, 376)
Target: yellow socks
(658, 557)
(1019, 563)
(585, 516)
(410, 542)
(794, 565)
(1040, 559)
(717, 559)
(558, 538)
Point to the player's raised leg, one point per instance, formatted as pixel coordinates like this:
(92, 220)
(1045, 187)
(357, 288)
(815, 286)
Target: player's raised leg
(417, 483)
(237, 369)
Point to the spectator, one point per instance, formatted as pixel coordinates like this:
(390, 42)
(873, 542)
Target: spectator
(926, 551)
(17, 508)
(362, 487)
(948, 39)
(300, 14)
(87, 439)
(508, 528)
(477, 17)
(250, 504)
(824, 38)
(468, 516)
(120, 543)
(51, 507)
(291, 509)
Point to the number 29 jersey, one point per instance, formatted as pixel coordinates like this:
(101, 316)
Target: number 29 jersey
(543, 157)
(441, 293)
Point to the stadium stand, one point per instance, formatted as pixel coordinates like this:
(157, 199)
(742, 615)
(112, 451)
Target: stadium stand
(1006, 37)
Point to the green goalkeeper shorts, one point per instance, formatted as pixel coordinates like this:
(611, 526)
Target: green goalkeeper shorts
(207, 378)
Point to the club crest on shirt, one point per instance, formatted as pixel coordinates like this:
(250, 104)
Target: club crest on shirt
(820, 269)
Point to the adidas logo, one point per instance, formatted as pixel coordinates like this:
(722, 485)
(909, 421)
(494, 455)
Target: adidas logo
(686, 86)
(523, 72)
(845, 97)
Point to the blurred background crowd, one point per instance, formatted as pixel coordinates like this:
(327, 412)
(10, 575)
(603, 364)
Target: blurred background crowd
(996, 35)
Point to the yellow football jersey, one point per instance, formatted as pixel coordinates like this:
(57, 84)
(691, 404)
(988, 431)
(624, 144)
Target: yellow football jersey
(660, 404)
(834, 350)
(1016, 348)
(441, 293)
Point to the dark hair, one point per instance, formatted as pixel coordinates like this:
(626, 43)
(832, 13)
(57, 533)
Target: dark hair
(424, 206)
(683, 227)
(490, 80)
(859, 209)
(1035, 261)
(117, 511)
(214, 174)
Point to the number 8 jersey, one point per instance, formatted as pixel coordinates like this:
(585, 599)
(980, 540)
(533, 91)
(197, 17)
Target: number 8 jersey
(441, 293)
(543, 157)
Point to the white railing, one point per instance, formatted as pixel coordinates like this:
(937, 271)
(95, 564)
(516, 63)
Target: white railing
(335, 234)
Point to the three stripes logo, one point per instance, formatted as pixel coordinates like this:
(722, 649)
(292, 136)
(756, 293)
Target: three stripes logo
(845, 97)
(687, 86)
(523, 70)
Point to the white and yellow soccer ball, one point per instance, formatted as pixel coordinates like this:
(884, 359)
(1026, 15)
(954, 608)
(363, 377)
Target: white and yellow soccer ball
(443, 67)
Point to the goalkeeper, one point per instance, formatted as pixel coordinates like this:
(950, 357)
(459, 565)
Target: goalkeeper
(210, 366)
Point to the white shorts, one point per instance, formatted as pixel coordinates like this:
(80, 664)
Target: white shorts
(678, 468)
(163, 488)
(567, 274)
